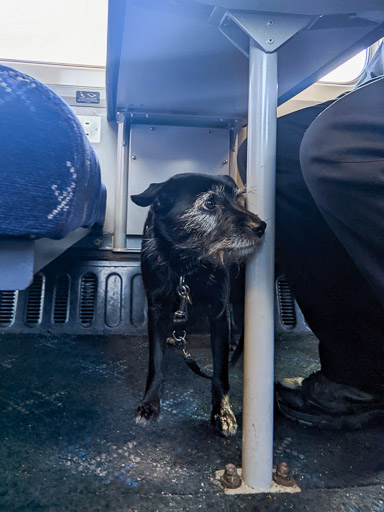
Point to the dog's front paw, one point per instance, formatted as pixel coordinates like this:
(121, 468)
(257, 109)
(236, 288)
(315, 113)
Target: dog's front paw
(147, 412)
(224, 422)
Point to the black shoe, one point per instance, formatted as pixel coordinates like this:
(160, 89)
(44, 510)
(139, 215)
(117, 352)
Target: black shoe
(319, 402)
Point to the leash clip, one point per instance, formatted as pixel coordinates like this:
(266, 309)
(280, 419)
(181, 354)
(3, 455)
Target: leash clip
(180, 317)
(183, 291)
(182, 340)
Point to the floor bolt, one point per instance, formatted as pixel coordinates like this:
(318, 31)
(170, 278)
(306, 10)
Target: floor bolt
(283, 475)
(231, 478)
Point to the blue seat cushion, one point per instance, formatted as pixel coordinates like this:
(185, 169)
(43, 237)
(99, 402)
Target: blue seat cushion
(50, 181)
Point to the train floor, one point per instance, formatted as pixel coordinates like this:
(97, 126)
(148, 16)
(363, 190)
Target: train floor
(68, 440)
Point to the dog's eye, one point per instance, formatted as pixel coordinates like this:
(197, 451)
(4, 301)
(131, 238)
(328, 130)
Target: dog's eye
(210, 203)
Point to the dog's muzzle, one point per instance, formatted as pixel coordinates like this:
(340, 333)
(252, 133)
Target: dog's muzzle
(257, 228)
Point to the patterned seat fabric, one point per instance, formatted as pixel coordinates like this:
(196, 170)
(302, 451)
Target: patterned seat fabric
(50, 181)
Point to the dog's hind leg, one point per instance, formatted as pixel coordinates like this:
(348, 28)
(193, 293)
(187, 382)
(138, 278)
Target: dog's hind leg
(237, 324)
(223, 420)
(237, 277)
(159, 317)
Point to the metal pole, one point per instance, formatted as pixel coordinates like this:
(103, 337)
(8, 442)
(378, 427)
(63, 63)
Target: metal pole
(121, 189)
(259, 300)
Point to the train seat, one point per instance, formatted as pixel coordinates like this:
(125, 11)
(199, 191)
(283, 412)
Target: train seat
(50, 178)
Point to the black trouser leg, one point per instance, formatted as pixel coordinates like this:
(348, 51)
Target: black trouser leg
(339, 304)
(342, 160)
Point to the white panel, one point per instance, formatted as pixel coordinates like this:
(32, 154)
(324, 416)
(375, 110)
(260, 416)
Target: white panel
(106, 153)
(55, 74)
(92, 127)
(158, 152)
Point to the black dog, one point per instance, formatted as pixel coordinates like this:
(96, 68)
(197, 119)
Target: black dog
(198, 228)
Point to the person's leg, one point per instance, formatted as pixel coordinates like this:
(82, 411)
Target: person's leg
(327, 285)
(342, 160)
(337, 301)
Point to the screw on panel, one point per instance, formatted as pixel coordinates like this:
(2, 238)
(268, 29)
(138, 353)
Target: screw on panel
(270, 40)
(231, 478)
(270, 22)
(225, 162)
(283, 475)
(133, 157)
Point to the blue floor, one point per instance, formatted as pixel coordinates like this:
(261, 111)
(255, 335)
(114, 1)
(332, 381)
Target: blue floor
(69, 442)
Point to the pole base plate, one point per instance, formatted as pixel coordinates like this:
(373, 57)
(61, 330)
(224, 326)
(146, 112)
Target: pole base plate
(244, 489)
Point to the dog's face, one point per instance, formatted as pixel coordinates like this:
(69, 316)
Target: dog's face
(203, 216)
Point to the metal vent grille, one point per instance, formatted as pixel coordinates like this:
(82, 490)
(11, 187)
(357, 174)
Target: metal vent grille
(7, 307)
(61, 299)
(35, 298)
(88, 292)
(286, 303)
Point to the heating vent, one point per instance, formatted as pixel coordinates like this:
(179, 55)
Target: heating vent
(286, 303)
(7, 307)
(88, 291)
(61, 299)
(35, 296)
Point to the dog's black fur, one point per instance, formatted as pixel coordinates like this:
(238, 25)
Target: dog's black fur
(197, 227)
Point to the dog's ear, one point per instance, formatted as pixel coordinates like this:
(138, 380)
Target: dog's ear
(153, 196)
(227, 180)
(147, 197)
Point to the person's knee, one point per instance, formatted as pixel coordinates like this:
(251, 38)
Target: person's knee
(345, 138)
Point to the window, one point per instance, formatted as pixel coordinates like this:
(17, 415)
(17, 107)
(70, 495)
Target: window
(72, 32)
(349, 71)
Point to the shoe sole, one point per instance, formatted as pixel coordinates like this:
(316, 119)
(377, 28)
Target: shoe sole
(328, 422)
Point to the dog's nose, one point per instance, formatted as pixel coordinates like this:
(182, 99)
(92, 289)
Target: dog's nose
(259, 228)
